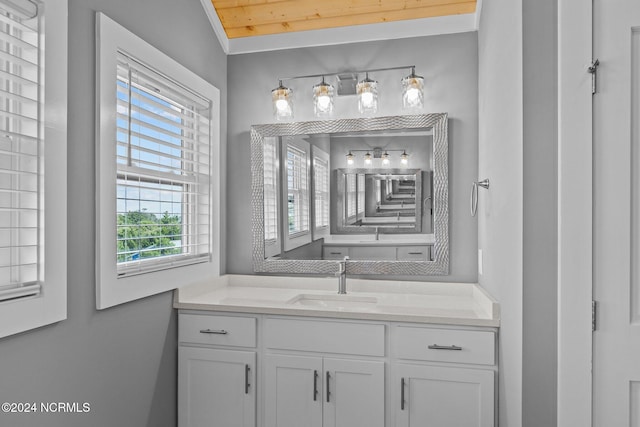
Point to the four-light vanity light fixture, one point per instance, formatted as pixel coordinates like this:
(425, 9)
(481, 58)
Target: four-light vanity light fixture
(378, 153)
(366, 91)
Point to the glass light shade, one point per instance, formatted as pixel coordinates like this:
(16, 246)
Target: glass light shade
(367, 91)
(323, 99)
(404, 158)
(412, 91)
(350, 159)
(282, 100)
(367, 159)
(385, 159)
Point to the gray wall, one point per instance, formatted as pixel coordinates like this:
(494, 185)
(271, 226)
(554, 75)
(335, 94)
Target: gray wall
(449, 64)
(122, 360)
(540, 254)
(500, 229)
(518, 215)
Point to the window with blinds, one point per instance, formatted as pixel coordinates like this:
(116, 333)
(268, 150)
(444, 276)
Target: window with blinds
(163, 171)
(270, 190)
(21, 151)
(321, 189)
(297, 191)
(351, 192)
(361, 194)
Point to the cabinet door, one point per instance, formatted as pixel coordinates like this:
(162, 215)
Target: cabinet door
(443, 397)
(354, 393)
(293, 391)
(216, 388)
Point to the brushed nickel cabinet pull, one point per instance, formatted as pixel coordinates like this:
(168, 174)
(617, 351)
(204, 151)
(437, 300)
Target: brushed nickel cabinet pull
(246, 379)
(402, 394)
(328, 392)
(444, 347)
(214, 331)
(315, 385)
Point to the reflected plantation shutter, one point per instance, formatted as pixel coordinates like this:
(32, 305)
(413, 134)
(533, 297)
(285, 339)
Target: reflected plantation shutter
(163, 161)
(321, 181)
(298, 190)
(21, 184)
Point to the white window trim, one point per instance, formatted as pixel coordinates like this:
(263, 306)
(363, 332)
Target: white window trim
(50, 305)
(110, 291)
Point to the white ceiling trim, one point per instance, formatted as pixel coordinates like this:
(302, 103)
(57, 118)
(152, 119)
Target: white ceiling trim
(342, 35)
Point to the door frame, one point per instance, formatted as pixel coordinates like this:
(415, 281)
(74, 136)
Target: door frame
(575, 213)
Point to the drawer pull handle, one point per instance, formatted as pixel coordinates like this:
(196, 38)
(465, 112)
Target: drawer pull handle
(402, 394)
(444, 347)
(416, 253)
(315, 385)
(246, 379)
(328, 392)
(214, 331)
(336, 253)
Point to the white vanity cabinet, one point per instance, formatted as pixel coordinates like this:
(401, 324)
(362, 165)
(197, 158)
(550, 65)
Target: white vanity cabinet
(377, 252)
(316, 375)
(216, 385)
(443, 396)
(458, 391)
(323, 392)
(333, 372)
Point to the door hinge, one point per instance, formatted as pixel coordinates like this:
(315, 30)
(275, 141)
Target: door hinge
(594, 315)
(593, 70)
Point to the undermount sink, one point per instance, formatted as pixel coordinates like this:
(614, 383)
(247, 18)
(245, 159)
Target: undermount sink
(334, 301)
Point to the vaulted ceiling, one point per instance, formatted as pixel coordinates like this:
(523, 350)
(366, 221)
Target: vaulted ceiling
(246, 18)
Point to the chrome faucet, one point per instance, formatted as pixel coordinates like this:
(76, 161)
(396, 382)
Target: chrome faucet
(342, 276)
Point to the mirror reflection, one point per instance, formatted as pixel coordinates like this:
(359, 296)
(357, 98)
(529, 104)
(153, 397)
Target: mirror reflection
(366, 195)
(390, 199)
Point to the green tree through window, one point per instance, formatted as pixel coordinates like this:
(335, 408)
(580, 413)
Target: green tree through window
(144, 235)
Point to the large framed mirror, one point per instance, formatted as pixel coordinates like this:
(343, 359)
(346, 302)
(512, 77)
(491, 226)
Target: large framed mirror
(372, 189)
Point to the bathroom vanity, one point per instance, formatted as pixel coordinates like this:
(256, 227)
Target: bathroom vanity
(287, 351)
(268, 351)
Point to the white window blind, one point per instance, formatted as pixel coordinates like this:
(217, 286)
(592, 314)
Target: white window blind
(321, 185)
(361, 193)
(270, 190)
(351, 192)
(21, 185)
(163, 171)
(298, 190)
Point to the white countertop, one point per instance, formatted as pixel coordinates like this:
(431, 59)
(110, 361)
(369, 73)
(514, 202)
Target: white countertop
(385, 300)
(383, 239)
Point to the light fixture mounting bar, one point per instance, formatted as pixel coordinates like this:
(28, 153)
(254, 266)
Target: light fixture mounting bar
(372, 70)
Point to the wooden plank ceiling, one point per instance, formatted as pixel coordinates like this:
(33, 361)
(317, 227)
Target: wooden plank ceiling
(246, 18)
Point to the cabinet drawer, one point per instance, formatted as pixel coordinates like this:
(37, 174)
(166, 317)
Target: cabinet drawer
(325, 337)
(218, 330)
(413, 253)
(444, 345)
(333, 252)
(372, 253)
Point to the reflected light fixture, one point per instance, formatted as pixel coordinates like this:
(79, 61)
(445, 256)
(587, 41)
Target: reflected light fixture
(412, 91)
(385, 159)
(350, 159)
(367, 91)
(323, 98)
(367, 159)
(404, 158)
(282, 99)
